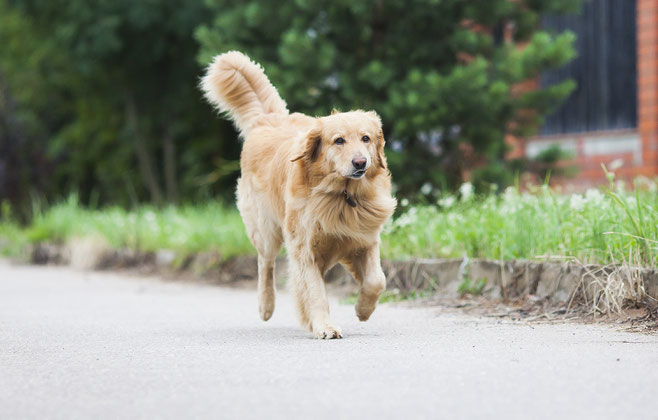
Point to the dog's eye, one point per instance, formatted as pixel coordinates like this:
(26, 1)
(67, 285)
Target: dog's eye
(339, 140)
(365, 139)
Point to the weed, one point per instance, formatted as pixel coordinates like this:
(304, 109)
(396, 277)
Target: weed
(394, 295)
(470, 287)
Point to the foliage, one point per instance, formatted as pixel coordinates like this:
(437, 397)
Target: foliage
(106, 92)
(99, 98)
(185, 229)
(599, 226)
(442, 74)
(394, 295)
(606, 226)
(471, 287)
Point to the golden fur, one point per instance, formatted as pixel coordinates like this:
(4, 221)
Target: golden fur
(295, 177)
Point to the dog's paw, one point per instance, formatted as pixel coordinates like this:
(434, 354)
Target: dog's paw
(327, 332)
(265, 313)
(365, 309)
(266, 308)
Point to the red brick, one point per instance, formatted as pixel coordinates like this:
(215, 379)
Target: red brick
(646, 64)
(637, 171)
(650, 138)
(647, 51)
(648, 78)
(650, 157)
(648, 109)
(646, 4)
(647, 35)
(647, 20)
(648, 125)
(647, 87)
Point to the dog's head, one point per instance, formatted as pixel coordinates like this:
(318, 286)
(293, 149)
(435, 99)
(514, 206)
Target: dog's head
(350, 144)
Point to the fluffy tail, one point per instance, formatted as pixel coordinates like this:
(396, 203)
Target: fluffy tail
(238, 86)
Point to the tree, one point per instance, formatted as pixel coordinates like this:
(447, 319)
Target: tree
(441, 73)
(29, 65)
(125, 121)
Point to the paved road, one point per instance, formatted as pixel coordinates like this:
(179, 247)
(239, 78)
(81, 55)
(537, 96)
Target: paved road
(107, 346)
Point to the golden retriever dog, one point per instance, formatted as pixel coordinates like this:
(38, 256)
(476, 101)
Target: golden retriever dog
(318, 185)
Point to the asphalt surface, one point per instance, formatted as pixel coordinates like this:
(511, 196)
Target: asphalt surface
(107, 346)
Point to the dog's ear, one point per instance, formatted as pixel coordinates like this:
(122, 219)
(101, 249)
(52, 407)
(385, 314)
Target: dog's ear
(381, 156)
(313, 143)
(375, 117)
(381, 142)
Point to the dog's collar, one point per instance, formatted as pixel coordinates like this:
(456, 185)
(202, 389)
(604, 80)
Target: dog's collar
(348, 199)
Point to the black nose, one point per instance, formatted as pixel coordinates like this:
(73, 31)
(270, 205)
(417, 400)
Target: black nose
(359, 162)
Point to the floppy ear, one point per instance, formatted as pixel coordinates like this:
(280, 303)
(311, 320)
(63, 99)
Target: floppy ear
(313, 142)
(381, 156)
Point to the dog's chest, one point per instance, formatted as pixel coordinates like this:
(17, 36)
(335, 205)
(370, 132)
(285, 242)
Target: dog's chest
(327, 250)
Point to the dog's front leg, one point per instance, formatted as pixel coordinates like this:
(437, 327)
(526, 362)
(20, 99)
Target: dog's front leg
(367, 271)
(312, 300)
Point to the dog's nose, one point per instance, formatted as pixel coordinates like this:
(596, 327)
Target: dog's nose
(359, 162)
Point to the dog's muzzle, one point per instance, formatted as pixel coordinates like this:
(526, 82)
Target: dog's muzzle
(358, 174)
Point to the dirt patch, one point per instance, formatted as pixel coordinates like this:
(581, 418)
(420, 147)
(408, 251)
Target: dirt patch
(532, 309)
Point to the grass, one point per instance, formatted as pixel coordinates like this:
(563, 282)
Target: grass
(470, 287)
(600, 226)
(186, 229)
(394, 295)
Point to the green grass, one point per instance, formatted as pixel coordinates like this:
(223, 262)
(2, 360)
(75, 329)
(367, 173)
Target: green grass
(600, 226)
(186, 229)
(471, 287)
(394, 295)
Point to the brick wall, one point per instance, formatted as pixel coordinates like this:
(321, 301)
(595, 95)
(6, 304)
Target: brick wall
(647, 82)
(630, 153)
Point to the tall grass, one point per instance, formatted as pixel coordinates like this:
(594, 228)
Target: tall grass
(600, 226)
(186, 229)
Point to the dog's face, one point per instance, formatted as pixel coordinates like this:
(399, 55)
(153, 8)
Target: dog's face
(350, 144)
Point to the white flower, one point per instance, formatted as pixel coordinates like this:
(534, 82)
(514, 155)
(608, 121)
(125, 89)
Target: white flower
(510, 194)
(577, 202)
(616, 164)
(447, 201)
(466, 191)
(653, 187)
(408, 218)
(426, 188)
(593, 196)
(404, 202)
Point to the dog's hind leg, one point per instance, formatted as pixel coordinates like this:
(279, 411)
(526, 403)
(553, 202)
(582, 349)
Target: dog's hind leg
(267, 238)
(269, 244)
(266, 287)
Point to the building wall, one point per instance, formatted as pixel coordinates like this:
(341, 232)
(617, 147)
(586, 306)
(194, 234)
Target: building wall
(647, 82)
(630, 153)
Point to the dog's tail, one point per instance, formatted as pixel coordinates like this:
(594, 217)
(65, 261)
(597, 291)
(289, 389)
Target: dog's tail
(238, 86)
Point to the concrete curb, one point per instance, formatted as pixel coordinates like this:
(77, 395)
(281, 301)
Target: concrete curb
(603, 288)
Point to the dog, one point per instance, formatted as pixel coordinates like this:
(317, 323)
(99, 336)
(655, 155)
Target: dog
(319, 185)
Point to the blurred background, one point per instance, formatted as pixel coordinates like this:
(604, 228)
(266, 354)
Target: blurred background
(100, 98)
(99, 103)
